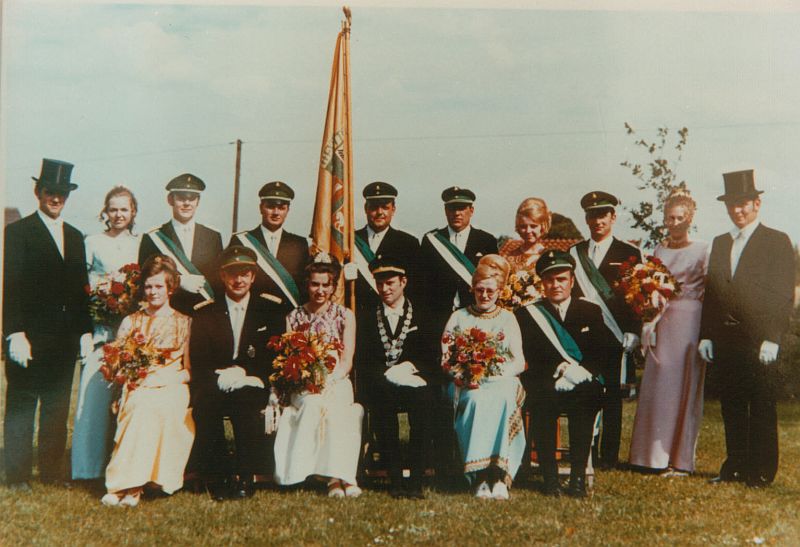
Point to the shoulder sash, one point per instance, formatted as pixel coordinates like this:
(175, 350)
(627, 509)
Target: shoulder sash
(586, 281)
(457, 260)
(168, 247)
(555, 333)
(272, 267)
(363, 256)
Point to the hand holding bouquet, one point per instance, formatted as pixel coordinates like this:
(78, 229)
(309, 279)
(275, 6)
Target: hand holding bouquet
(647, 287)
(114, 295)
(472, 355)
(127, 361)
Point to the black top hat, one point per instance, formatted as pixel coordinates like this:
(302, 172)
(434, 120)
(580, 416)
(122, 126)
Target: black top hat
(455, 194)
(387, 265)
(186, 183)
(738, 185)
(237, 255)
(379, 190)
(553, 260)
(55, 176)
(276, 191)
(598, 200)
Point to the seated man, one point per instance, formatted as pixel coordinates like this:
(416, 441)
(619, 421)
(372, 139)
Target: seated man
(563, 340)
(395, 363)
(230, 366)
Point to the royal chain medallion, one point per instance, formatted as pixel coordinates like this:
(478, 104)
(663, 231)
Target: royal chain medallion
(394, 348)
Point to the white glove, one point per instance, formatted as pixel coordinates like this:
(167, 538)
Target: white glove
(350, 271)
(273, 398)
(576, 374)
(629, 342)
(227, 376)
(101, 336)
(562, 384)
(87, 346)
(652, 338)
(413, 380)
(560, 370)
(400, 370)
(706, 350)
(247, 381)
(192, 283)
(768, 353)
(19, 349)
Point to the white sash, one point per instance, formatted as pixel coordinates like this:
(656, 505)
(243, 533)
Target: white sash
(452, 261)
(591, 294)
(163, 249)
(363, 267)
(548, 331)
(269, 270)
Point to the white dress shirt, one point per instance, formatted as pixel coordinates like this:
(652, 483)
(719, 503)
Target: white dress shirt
(740, 238)
(273, 239)
(394, 314)
(375, 238)
(459, 239)
(185, 235)
(598, 250)
(56, 228)
(237, 311)
(562, 307)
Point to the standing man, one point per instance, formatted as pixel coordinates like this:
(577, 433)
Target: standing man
(230, 377)
(748, 303)
(450, 255)
(379, 238)
(46, 323)
(282, 256)
(563, 339)
(192, 246)
(597, 270)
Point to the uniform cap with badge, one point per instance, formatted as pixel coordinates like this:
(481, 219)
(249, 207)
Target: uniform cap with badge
(186, 183)
(379, 191)
(457, 195)
(276, 191)
(599, 200)
(554, 260)
(237, 255)
(387, 266)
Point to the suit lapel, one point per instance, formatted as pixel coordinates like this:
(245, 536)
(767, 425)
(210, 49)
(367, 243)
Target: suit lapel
(470, 249)
(749, 253)
(168, 229)
(224, 318)
(726, 243)
(47, 238)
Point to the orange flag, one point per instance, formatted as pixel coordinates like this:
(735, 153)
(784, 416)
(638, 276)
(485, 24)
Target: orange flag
(332, 229)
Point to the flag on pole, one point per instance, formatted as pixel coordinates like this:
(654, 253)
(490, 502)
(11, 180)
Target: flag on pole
(332, 229)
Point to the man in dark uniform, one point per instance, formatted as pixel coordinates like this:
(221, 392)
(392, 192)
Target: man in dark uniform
(378, 237)
(396, 365)
(450, 255)
(563, 339)
(192, 246)
(746, 312)
(598, 262)
(46, 323)
(282, 256)
(230, 377)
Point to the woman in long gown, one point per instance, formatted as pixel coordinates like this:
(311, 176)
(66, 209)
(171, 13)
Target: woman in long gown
(155, 430)
(488, 419)
(671, 398)
(319, 434)
(106, 253)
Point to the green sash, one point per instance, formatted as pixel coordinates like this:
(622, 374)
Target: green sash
(181, 258)
(363, 257)
(594, 275)
(363, 248)
(457, 260)
(564, 337)
(273, 268)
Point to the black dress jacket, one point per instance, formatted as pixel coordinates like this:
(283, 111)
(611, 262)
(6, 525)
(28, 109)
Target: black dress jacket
(397, 244)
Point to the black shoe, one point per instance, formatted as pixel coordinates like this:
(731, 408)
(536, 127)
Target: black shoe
(21, 486)
(551, 487)
(397, 492)
(218, 490)
(414, 492)
(577, 487)
(243, 489)
(607, 465)
(758, 481)
(727, 477)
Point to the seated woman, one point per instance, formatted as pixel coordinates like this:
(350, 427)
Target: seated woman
(320, 433)
(155, 430)
(488, 420)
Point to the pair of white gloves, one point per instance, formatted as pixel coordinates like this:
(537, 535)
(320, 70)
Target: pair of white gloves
(405, 375)
(192, 283)
(569, 375)
(19, 348)
(768, 353)
(233, 378)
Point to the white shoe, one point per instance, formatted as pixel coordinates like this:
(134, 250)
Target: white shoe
(110, 500)
(130, 501)
(335, 489)
(352, 491)
(500, 491)
(483, 492)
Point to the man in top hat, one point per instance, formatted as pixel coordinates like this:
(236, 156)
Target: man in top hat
(378, 237)
(230, 377)
(597, 269)
(451, 254)
(46, 323)
(746, 311)
(191, 245)
(563, 338)
(396, 365)
(282, 256)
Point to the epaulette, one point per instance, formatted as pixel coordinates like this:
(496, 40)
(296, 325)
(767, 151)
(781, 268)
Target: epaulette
(240, 232)
(153, 229)
(203, 304)
(631, 245)
(271, 297)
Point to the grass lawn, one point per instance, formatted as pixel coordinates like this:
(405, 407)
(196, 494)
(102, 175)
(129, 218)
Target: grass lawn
(625, 508)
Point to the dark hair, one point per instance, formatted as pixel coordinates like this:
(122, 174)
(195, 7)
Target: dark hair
(119, 190)
(155, 265)
(324, 263)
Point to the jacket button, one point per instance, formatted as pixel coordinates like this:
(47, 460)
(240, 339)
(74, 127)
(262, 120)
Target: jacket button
(64, 308)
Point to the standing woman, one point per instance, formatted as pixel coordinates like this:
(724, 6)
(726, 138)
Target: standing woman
(155, 430)
(320, 433)
(671, 399)
(488, 419)
(532, 224)
(106, 253)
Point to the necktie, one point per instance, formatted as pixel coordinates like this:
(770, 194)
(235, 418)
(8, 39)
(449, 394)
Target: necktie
(236, 325)
(736, 251)
(594, 254)
(272, 245)
(393, 316)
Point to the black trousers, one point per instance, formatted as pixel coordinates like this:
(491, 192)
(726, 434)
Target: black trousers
(419, 403)
(749, 412)
(211, 456)
(580, 405)
(48, 382)
(607, 447)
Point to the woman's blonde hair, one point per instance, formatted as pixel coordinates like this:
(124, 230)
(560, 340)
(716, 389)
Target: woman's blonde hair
(681, 197)
(536, 210)
(492, 266)
(119, 190)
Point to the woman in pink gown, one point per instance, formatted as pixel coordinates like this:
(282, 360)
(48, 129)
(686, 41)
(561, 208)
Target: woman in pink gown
(671, 398)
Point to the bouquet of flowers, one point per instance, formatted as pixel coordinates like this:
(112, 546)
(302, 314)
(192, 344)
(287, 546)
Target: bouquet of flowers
(647, 287)
(522, 288)
(303, 363)
(114, 295)
(126, 362)
(473, 355)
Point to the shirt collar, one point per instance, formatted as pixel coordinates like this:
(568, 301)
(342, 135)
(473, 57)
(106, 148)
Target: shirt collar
(269, 234)
(52, 222)
(398, 310)
(602, 245)
(179, 226)
(747, 231)
(463, 233)
(241, 304)
(563, 306)
(372, 233)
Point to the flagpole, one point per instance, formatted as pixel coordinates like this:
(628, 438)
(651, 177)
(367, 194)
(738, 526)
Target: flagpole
(350, 234)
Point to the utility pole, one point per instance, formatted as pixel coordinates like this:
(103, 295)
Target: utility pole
(236, 185)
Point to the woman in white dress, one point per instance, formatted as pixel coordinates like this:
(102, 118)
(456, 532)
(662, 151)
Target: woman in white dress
(319, 434)
(106, 253)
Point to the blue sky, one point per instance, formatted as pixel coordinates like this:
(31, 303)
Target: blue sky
(509, 102)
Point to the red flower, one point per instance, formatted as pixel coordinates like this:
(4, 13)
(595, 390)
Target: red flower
(475, 369)
(649, 286)
(472, 385)
(119, 378)
(500, 336)
(477, 334)
(641, 274)
(125, 356)
(458, 382)
(131, 386)
(138, 337)
(447, 339)
(667, 292)
(141, 373)
(330, 362)
(462, 358)
(117, 288)
(639, 298)
(87, 289)
(106, 372)
(460, 342)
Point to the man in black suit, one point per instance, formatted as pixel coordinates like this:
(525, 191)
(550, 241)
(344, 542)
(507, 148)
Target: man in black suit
(192, 246)
(282, 256)
(450, 255)
(378, 237)
(396, 365)
(46, 323)
(746, 312)
(563, 338)
(597, 270)
(230, 377)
